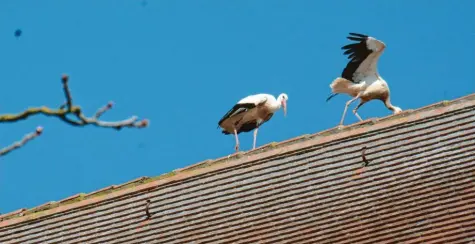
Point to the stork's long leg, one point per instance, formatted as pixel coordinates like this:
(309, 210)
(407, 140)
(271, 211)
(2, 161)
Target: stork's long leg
(357, 115)
(357, 107)
(255, 138)
(346, 108)
(237, 140)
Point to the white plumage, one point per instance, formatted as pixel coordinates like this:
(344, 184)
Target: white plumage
(250, 113)
(360, 78)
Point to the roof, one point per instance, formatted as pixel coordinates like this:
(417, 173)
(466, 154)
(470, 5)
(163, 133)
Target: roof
(418, 186)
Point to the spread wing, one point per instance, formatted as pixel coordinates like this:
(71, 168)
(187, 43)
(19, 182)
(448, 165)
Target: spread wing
(357, 53)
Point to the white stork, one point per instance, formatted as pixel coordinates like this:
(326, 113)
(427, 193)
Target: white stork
(360, 78)
(250, 113)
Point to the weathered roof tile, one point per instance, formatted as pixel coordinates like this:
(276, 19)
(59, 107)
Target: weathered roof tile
(418, 187)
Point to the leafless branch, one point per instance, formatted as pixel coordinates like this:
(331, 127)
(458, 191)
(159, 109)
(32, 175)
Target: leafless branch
(65, 110)
(67, 92)
(102, 110)
(68, 108)
(28, 137)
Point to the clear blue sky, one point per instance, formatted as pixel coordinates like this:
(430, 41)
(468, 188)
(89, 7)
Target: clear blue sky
(183, 64)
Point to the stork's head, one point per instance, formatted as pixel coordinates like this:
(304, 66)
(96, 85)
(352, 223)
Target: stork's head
(282, 99)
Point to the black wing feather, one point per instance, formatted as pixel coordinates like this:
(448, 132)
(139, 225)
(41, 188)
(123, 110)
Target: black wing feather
(356, 34)
(249, 126)
(356, 38)
(237, 109)
(357, 53)
(349, 51)
(350, 46)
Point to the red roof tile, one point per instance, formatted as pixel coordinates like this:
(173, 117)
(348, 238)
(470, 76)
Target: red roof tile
(418, 187)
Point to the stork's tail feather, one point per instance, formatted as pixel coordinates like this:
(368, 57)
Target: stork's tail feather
(340, 85)
(331, 95)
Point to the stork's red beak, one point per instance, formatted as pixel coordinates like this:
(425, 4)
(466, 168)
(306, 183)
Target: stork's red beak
(284, 106)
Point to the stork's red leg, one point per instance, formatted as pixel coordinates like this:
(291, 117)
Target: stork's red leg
(237, 140)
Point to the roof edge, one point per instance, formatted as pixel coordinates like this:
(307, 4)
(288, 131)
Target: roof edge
(266, 151)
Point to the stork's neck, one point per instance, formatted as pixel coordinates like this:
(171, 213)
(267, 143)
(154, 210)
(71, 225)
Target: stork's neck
(277, 104)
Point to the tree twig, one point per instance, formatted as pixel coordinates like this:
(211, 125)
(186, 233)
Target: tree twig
(28, 137)
(67, 92)
(102, 110)
(68, 108)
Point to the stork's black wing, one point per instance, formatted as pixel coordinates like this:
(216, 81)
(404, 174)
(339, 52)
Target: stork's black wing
(251, 125)
(237, 109)
(357, 52)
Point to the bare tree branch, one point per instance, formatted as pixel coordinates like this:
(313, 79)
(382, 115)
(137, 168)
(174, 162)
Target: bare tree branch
(68, 108)
(102, 110)
(67, 92)
(28, 137)
(65, 110)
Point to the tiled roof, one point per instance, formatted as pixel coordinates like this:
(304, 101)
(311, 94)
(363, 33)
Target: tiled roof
(418, 187)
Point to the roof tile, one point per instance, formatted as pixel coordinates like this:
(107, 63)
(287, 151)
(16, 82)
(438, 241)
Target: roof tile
(418, 186)
(99, 192)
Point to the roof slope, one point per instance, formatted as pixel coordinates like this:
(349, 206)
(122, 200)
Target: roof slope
(418, 187)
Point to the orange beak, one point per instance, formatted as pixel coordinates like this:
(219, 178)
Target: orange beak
(284, 106)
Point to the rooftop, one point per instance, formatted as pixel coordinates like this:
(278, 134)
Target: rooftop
(421, 159)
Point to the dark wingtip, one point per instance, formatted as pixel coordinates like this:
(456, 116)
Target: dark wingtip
(355, 38)
(349, 46)
(357, 34)
(219, 124)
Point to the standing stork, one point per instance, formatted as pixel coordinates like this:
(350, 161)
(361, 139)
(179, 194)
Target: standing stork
(360, 78)
(250, 113)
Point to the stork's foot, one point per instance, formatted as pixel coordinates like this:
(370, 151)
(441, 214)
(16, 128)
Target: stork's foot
(236, 147)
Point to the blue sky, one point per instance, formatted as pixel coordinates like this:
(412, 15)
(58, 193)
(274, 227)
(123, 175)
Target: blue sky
(183, 64)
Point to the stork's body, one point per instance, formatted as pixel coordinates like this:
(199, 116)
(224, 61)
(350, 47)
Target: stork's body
(250, 113)
(360, 78)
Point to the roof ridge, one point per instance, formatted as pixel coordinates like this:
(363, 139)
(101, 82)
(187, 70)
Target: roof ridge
(266, 151)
